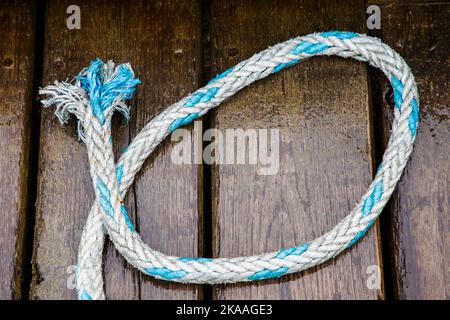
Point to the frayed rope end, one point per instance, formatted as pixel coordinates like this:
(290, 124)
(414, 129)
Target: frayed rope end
(104, 87)
(108, 86)
(68, 99)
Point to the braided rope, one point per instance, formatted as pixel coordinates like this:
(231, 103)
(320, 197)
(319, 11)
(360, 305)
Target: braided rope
(102, 88)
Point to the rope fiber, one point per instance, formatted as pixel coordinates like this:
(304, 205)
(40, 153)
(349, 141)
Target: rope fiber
(102, 88)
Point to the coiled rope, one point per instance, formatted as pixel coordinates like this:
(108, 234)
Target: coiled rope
(103, 87)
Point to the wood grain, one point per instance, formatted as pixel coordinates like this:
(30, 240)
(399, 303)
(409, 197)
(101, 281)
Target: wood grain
(402, 2)
(168, 195)
(162, 42)
(65, 192)
(420, 207)
(322, 110)
(17, 20)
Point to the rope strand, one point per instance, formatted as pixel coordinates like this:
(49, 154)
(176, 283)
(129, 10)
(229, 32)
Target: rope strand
(103, 87)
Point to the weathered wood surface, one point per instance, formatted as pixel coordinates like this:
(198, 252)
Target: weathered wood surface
(322, 109)
(165, 54)
(17, 19)
(168, 195)
(419, 228)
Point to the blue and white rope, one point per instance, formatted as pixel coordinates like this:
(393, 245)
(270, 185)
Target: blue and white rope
(103, 87)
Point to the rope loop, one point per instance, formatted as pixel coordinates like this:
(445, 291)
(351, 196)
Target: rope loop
(102, 88)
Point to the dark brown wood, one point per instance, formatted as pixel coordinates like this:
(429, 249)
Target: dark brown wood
(65, 192)
(168, 195)
(419, 209)
(17, 19)
(401, 2)
(321, 107)
(322, 110)
(161, 41)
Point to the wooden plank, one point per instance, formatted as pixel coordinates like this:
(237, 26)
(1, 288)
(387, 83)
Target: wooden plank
(65, 192)
(165, 56)
(17, 20)
(168, 195)
(420, 208)
(322, 110)
(402, 2)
